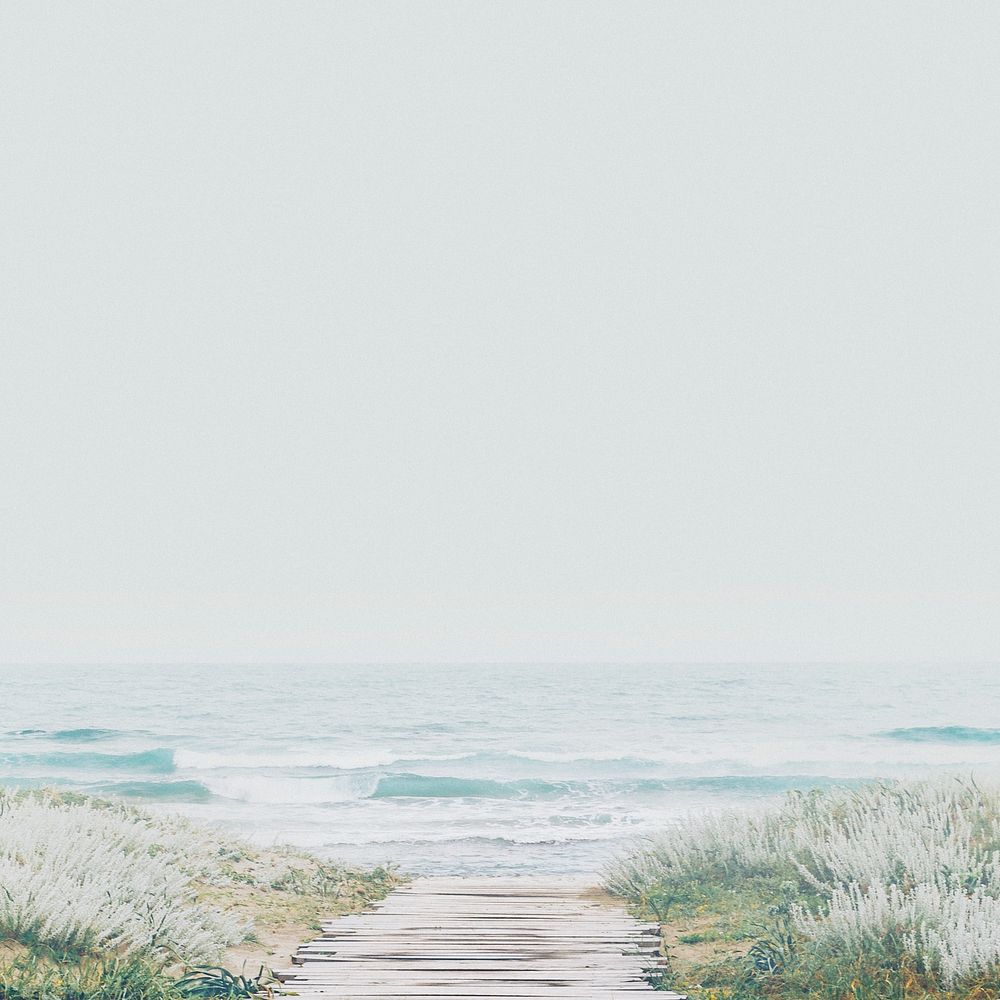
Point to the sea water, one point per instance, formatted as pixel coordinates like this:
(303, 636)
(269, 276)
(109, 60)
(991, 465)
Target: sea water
(472, 768)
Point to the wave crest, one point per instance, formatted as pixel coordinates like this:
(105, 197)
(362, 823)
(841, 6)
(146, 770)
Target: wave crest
(157, 761)
(165, 791)
(943, 734)
(85, 735)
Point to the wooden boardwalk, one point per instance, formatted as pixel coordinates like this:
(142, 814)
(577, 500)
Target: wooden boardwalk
(507, 938)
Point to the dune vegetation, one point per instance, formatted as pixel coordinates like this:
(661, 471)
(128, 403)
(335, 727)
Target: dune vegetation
(98, 899)
(887, 892)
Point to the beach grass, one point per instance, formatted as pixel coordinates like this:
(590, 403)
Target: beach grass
(886, 892)
(101, 899)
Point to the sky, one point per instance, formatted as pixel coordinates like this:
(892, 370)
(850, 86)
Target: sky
(465, 331)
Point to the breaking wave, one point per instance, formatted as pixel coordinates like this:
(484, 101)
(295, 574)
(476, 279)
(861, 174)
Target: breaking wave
(351, 787)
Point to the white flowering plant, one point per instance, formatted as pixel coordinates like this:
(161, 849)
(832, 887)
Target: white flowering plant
(891, 881)
(82, 875)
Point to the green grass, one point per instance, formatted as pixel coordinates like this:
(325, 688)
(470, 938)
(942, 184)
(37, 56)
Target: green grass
(33, 977)
(698, 938)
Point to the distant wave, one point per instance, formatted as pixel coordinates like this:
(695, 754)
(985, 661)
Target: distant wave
(393, 786)
(575, 757)
(169, 791)
(199, 760)
(415, 785)
(347, 787)
(330, 777)
(943, 734)
(70, 735)
(486, 838)
(351, 787)
(158, 761)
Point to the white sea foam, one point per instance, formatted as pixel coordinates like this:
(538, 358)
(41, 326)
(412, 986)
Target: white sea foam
(285, 791)
(556, 835)
(585, 756)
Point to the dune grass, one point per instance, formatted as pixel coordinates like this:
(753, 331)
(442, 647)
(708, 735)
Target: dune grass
(888, 892)
(101, 899)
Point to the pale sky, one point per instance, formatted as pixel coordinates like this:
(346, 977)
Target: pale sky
(499, 331)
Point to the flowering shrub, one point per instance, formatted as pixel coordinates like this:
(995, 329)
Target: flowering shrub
(902, 872)
(82, 875)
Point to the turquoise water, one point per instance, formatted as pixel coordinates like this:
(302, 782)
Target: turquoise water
(483, 769)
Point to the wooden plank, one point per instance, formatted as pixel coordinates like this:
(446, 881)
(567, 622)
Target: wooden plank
(567, 960)
(472, 991)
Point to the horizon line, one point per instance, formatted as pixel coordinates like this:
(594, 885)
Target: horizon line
(499, 663)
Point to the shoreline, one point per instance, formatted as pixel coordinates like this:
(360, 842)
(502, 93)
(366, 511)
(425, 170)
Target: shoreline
(555, 770)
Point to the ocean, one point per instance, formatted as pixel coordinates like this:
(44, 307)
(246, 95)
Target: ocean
(484, 769)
